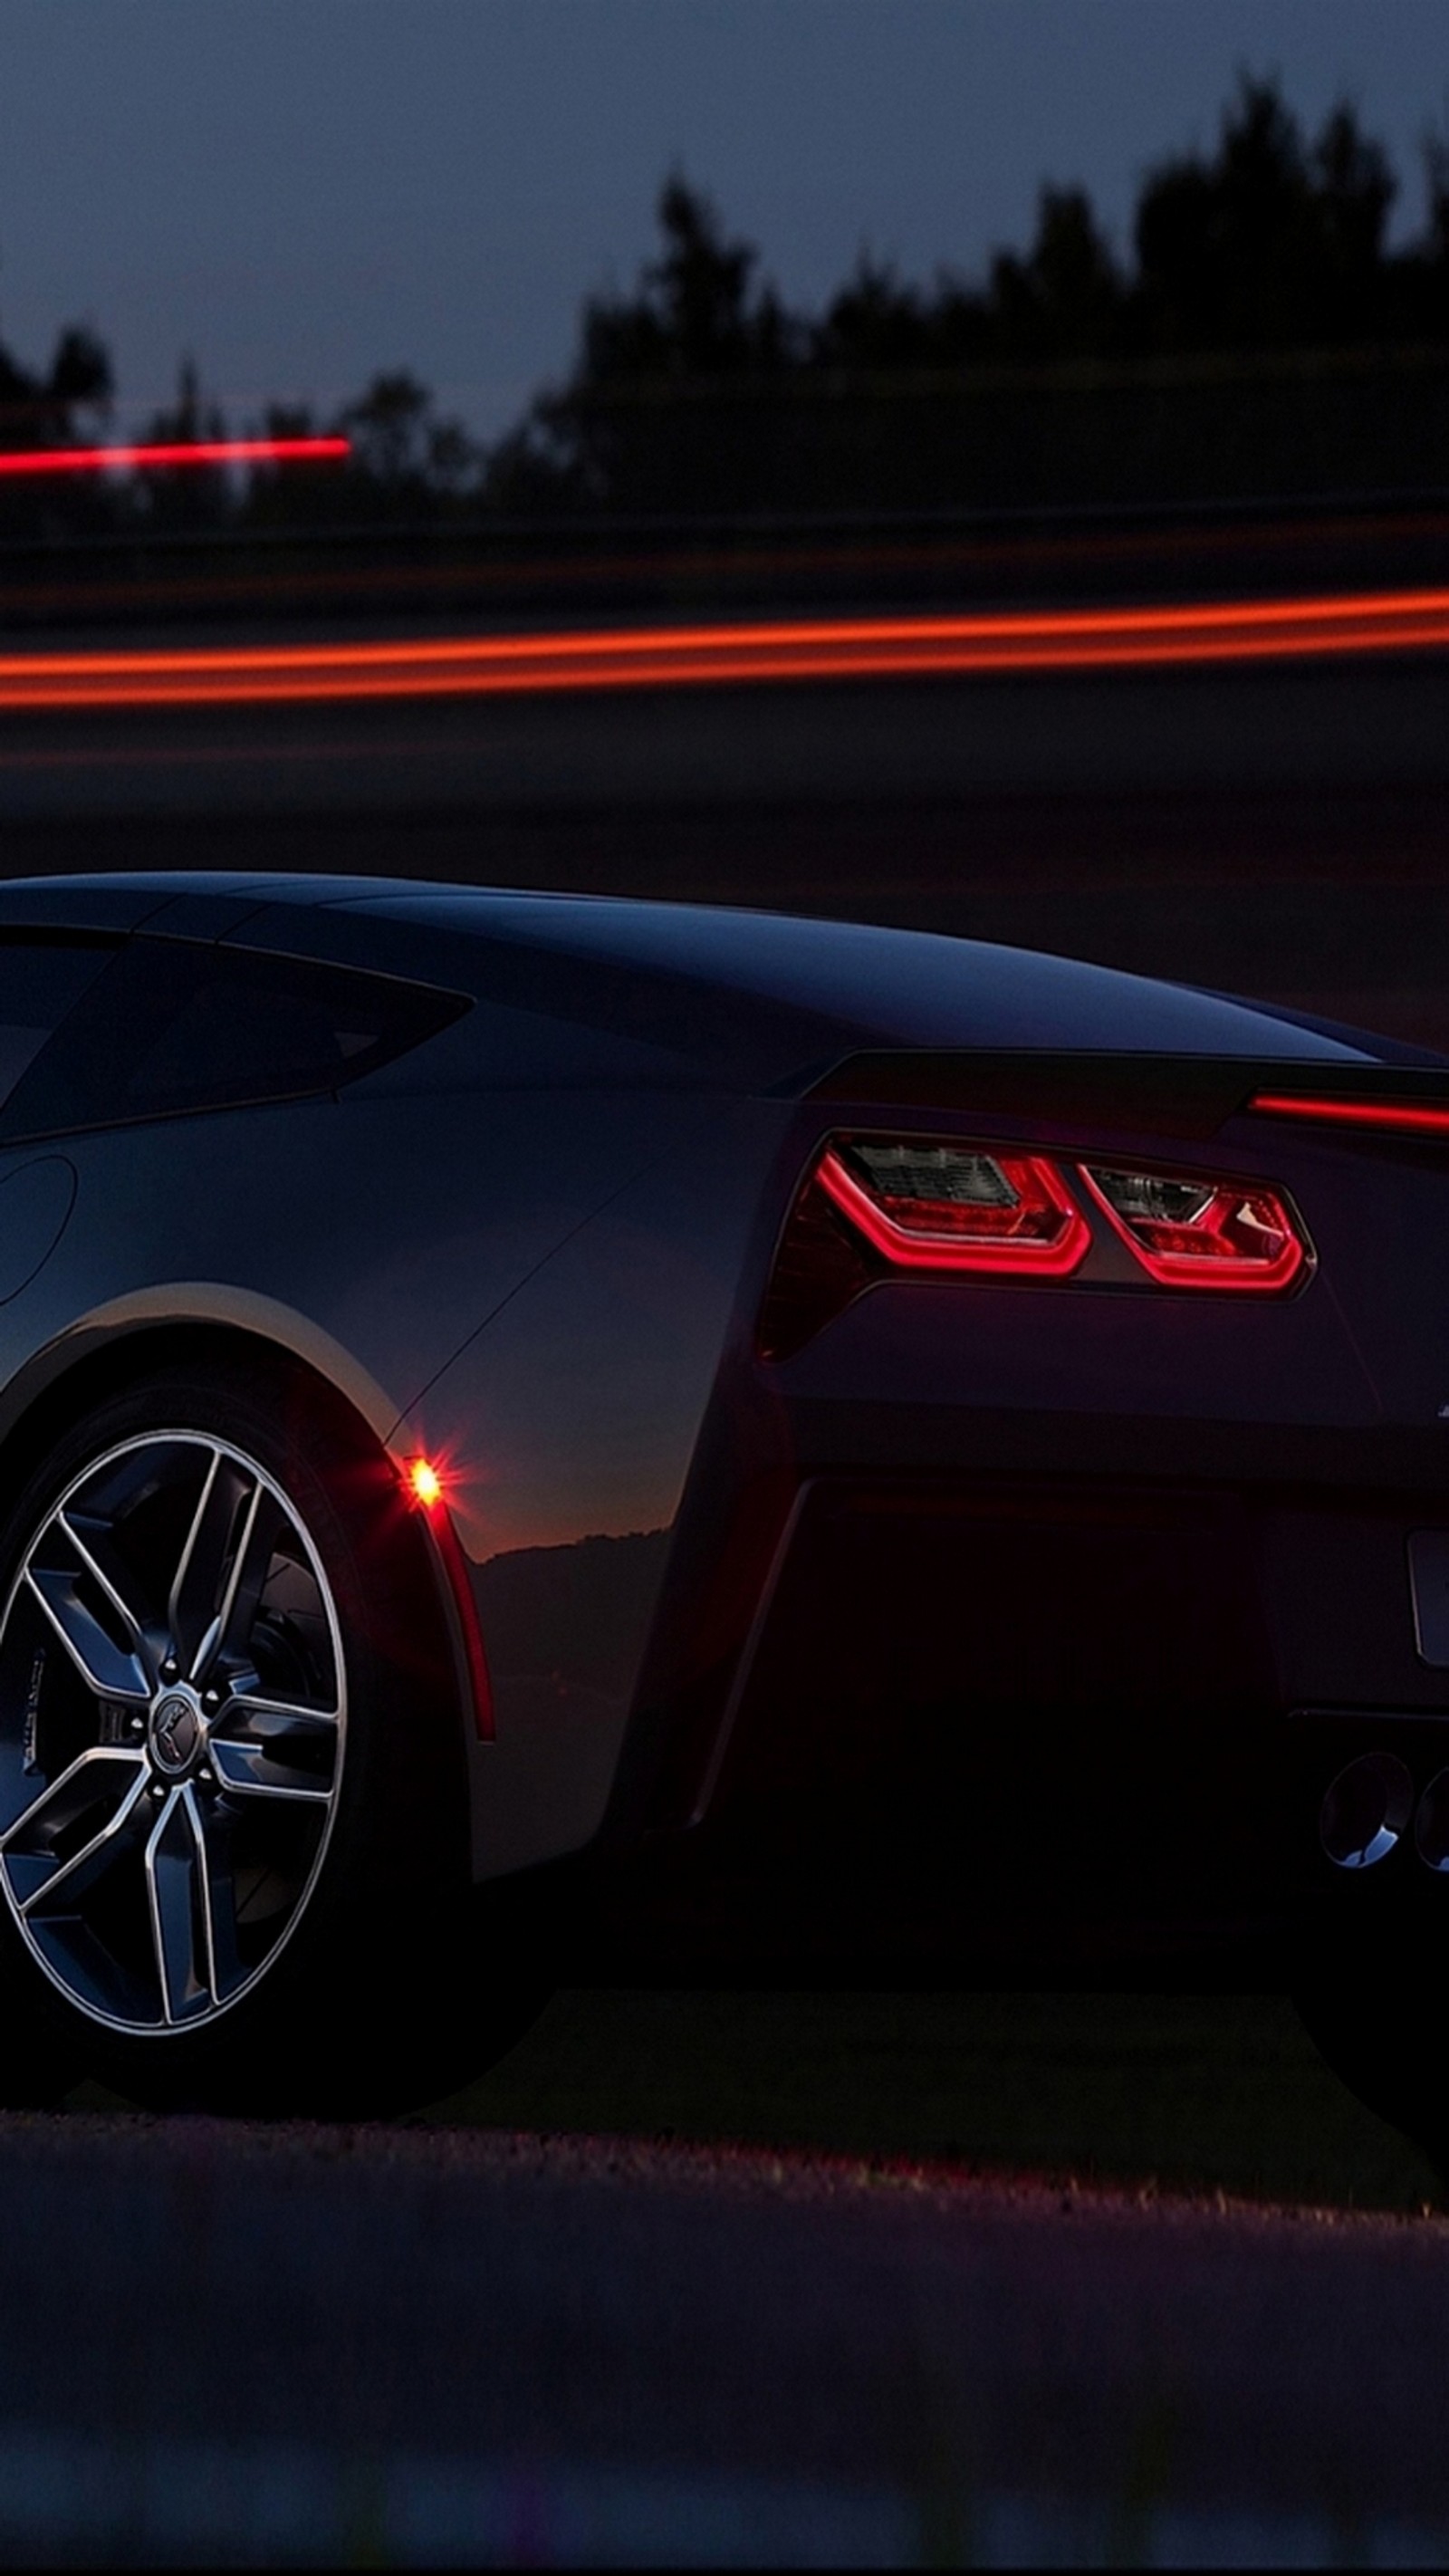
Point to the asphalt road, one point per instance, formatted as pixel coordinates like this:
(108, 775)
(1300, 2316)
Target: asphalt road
(374, 2346)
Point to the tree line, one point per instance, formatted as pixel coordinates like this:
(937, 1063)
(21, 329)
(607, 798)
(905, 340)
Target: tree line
(700, 389)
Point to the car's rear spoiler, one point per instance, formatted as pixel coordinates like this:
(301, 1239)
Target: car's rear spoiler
(1180, 1095)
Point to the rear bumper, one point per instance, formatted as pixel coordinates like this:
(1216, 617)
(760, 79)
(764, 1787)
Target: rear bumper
(1022, 1714)
(991, 1602)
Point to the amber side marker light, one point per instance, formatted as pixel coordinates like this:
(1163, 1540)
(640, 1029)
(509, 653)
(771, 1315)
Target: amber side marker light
(955, 1207)
(424, 1488)
(1408, 1116)
(1199, 1232)
(426, 1483)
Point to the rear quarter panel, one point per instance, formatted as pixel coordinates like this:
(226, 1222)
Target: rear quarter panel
(566, 1431)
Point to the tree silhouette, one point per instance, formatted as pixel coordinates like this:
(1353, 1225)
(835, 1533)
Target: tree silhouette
(41, 411)
(400, 445)
(64, 407)
(1270, 245)
(1065, 299)
(697, 313)
(184, 498)
(80, 378)
(697, 390)
(874, 323)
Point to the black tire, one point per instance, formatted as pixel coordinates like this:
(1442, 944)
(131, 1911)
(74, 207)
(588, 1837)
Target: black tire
(39, 2062)
(1374, 2029)
(216, 1623)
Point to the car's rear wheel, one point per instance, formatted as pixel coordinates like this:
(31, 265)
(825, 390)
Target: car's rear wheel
(232, 1805)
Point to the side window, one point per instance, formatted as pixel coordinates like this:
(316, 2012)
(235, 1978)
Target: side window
(173, 1027)
(40, 981)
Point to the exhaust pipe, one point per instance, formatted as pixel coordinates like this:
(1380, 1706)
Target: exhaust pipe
(1367, 1809)
(1431, 1824)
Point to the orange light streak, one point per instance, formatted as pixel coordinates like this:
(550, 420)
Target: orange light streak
(1242, 631)
(201, 451)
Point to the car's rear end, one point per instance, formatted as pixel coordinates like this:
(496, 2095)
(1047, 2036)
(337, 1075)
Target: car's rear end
(1044, 1509)
(1067, 1573)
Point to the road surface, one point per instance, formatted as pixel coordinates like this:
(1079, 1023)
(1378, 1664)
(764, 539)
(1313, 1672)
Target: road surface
(412, 2346)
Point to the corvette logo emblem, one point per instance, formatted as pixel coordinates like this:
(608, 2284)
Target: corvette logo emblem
(175, 1734)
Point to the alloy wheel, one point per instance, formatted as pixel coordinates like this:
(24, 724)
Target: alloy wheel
(172, 1726)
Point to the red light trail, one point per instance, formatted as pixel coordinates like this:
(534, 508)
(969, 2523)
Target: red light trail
(1243, 631)
(203, 451)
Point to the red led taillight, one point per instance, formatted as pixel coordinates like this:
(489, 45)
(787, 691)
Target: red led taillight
(949, 1207)
(874, 1206)
(1201, 1233)
(1408, 1117)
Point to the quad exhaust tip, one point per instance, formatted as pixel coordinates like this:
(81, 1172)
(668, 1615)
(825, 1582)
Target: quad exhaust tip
(1367, 1809)
(1431, 1824)
(1366, 1812)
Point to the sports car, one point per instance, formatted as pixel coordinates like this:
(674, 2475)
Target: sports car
(541, 1432)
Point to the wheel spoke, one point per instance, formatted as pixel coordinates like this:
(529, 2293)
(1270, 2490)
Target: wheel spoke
(69, 1794)
(218, 1896)
(176, 1889)
(262, 1715)
(64, 1803)
(238, 1607)
(104, 1667)
(87, 1538)
(201, 1578)
(254, 1771)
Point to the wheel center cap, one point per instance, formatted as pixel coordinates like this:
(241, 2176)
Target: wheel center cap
(177, 1733)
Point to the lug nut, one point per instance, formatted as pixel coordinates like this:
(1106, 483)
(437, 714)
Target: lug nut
(169, 1669)
(138, 1726)
(158, 1788)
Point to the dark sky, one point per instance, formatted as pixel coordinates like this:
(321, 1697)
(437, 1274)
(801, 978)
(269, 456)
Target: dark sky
(301, 191)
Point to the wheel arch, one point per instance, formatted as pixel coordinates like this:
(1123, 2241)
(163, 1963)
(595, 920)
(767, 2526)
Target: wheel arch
(180, 1321)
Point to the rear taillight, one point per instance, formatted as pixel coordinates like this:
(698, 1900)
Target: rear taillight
(1201, 1233)
(873, 1207)
(925, 1206)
